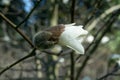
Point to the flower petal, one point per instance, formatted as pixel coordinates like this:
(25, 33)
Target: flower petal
(69, 41)
(75, 31)
(68, 25)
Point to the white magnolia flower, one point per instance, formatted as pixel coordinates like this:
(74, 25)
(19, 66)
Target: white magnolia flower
(71, 35)
(67, 35)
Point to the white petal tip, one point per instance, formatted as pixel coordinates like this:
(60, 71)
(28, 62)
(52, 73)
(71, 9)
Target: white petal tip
(80, 52)
(72, 23)
(67, 25)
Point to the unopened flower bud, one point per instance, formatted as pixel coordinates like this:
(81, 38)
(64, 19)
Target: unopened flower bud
(67, 35)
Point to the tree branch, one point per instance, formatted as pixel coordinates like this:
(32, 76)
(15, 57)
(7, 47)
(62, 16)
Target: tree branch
(37, 3)
(17, 29)
(72, 53)
(108, 74)
(111, 20)
(32, 53)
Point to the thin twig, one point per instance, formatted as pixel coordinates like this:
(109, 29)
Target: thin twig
(88, 47)
(72, 66)
(97, 3)
(17, 29)
(91, 16)
(97, 42)
(72, 10)
(32, 53)
(108, 74)
(51, 53)
(26, 18)
(72, 53)
(22, 34)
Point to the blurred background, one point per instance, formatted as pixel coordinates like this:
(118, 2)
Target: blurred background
(102, 45)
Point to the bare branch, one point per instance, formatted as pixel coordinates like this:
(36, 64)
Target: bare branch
(37, 3)
(32, 53)
(72, 53)
(109, 74)
(111, 20)
(17, 29)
